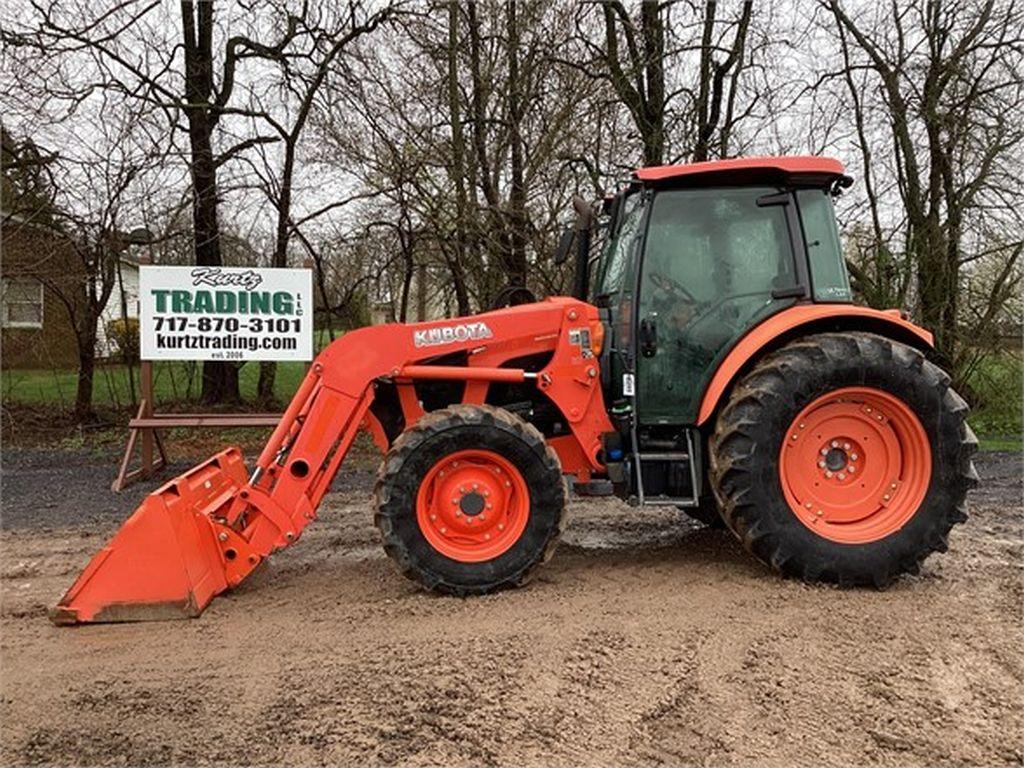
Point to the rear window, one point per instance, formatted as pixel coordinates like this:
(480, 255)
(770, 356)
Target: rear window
(829, 279)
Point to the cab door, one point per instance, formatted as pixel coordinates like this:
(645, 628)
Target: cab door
(716, 262)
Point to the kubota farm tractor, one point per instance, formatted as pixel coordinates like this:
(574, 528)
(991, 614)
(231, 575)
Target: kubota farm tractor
(710, 360)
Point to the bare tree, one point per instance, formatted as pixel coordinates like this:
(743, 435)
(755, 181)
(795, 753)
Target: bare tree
(316, 41)
(948, 82)
(92, 213)
(647, 56)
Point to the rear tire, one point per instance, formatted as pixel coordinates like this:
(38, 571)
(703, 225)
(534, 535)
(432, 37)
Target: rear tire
(798, 507)
(469, 500)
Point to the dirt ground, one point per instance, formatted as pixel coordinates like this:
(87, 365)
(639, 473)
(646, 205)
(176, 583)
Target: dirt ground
(646, 640)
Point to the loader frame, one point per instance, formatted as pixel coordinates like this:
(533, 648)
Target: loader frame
(225, 525)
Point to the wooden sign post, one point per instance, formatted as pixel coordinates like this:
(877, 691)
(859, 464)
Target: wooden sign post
(149, 436)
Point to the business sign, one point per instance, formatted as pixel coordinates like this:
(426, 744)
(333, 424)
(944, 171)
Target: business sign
(225, 313)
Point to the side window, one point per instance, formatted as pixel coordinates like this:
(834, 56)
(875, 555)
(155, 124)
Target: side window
(22, 303)
(829, 279)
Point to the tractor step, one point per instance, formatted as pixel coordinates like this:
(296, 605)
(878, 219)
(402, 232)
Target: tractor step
(666, 478)
(669, 501)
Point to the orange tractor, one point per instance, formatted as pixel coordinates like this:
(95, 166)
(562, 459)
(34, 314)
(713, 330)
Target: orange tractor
(716, 364)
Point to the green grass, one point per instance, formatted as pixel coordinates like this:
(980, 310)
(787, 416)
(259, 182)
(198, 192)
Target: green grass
(175, 383)
(1010, 444)
(996, 388)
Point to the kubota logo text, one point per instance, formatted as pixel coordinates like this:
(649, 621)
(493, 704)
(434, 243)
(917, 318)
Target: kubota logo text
(451, 333)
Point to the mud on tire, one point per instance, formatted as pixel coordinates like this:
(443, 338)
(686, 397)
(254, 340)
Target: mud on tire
(414, 455)
(746, 445)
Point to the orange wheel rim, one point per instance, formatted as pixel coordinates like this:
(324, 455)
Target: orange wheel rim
(473, 505)
(855, 465)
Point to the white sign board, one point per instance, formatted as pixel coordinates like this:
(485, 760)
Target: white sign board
(225, 313)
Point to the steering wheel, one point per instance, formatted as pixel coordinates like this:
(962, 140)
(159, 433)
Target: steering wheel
(672, 286)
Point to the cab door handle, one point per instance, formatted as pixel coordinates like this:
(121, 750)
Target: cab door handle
(648, 337)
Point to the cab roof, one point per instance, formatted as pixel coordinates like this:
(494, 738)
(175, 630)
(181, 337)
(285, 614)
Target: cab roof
(796, 169)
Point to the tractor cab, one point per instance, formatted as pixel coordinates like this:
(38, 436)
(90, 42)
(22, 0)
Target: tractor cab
(695, 257)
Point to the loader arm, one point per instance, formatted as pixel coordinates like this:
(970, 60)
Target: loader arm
(206, 530)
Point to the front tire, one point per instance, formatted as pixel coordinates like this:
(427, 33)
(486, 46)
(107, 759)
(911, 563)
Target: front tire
(469, 500)
(843, 457)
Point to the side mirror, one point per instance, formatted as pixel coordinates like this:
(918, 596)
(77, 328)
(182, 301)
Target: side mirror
(564, 244)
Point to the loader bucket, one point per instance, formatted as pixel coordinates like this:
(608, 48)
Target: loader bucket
(164, 562)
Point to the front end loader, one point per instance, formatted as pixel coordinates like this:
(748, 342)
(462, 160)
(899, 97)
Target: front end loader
(716, 365)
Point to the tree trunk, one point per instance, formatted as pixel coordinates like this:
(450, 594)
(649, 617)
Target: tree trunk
(220, 379)
(516, 265)
(86, 338)
(268, 368)
(654, 71)
(462, 217)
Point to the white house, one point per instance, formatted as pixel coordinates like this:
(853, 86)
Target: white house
(123, 301)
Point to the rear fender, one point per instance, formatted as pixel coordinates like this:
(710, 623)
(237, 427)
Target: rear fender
(801, 320)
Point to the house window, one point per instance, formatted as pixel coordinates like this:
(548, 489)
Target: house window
(22, 303)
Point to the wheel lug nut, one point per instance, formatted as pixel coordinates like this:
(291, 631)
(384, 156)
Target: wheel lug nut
(486, 494)
(893, 486)
(508, 484)
(487, 536)
(846, 446)
(808, 505)
(841, 476)
(443, 529)
(886, 497)
(796, 437)
(851, 469)
(821, 464)
(824, 451)
(854, 457)
(433, 517)
(820, 513)
(482, 517)
(828, 473)
(490, 506)
(835, 443)
(475, 486)
(501, 526)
